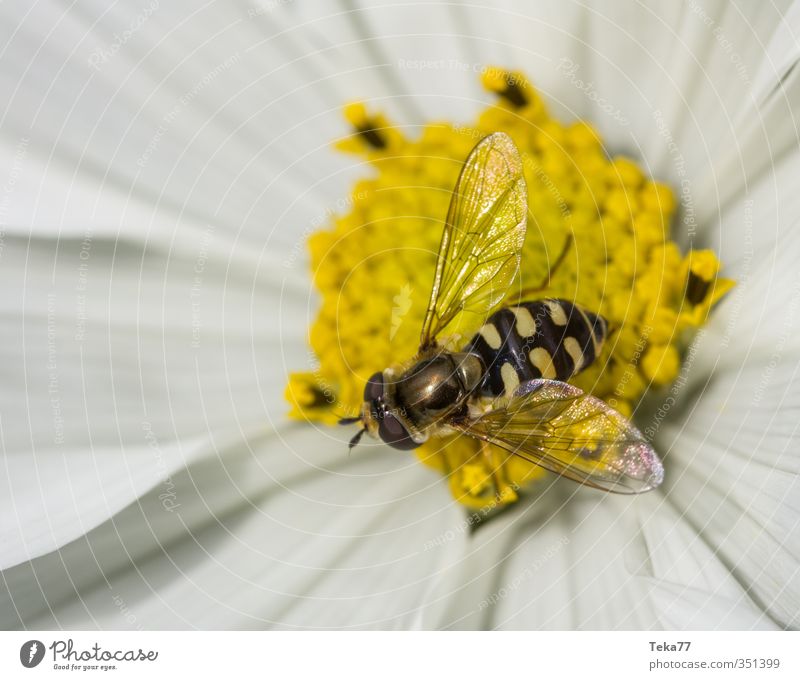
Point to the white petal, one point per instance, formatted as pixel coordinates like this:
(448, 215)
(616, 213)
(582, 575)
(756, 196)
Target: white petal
(423, 59)
(120, 366)
(756, 227)
(192, 120)
(705, 87)
(585, 560)
(291, 534)
(759, 316)
(762, 128)
(734, 470)
(652, 77)
(730, 430)
(186, 130)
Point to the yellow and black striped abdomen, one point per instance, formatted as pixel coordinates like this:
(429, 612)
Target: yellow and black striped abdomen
(540, 339)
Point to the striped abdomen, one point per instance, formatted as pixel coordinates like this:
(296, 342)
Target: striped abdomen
(540, 339)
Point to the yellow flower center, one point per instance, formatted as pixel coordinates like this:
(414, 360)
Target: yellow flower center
(373, 267)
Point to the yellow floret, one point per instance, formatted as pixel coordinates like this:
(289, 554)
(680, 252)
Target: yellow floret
(661, 364)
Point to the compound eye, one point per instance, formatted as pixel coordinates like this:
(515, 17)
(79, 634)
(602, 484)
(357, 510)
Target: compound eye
(374, 388)
(392, 431)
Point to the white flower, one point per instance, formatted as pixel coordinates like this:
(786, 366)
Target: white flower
(161, 169)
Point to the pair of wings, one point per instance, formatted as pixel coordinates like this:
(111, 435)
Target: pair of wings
(546, 422)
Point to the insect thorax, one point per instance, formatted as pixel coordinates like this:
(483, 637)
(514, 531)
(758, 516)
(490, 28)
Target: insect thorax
(438, 385)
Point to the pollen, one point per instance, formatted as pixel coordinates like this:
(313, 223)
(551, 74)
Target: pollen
(373, 266)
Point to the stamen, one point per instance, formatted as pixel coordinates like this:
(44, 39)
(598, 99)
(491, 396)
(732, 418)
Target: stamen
(372, 129)
(696, 288)
(509, 85)
(372, 137)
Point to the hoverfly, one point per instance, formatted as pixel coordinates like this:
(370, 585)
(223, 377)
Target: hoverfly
(507, 385)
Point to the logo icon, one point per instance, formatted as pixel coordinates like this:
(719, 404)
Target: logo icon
(31, 653)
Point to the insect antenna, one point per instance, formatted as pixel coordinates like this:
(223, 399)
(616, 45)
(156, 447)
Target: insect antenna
(357, 438)
(349, 420)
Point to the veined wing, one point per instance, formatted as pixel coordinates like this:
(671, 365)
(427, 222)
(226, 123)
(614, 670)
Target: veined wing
(566, 431)
(483, 236)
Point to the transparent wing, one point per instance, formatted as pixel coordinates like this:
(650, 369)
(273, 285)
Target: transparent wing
(483, 235)
(568, 432)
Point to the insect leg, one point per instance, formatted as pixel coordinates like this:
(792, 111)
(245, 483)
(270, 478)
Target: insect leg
(530, 291)
(488, 456)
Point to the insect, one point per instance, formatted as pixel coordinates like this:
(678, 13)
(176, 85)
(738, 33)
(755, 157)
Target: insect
(507, 385)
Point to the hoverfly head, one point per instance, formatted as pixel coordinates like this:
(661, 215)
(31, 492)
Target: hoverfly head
(382, 417)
